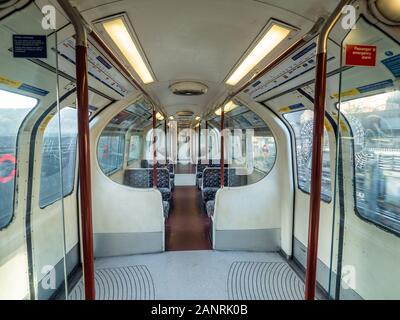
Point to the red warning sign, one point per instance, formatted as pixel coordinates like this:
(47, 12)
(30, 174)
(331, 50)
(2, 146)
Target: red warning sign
(360, 55)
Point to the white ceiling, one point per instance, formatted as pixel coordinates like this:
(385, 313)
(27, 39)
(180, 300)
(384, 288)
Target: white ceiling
(202, 39)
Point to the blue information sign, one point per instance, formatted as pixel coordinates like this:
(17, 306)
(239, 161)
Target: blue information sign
(29, 46)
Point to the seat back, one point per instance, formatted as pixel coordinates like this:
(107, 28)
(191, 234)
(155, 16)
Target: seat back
(138, 178)
(163, 178)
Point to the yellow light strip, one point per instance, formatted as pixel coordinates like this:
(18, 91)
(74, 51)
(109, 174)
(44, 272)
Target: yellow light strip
(119, 33)
(159, 116)
(228, 107)
(275, 35)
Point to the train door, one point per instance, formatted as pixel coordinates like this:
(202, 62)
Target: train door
(366, 235)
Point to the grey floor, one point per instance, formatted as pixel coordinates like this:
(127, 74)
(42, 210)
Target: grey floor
(195, 275)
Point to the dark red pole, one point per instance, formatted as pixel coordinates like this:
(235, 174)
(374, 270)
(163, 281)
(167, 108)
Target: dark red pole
(222, 160)
(317, 151)
(154, 149)
(206, 142)
(84, 171)
(166, 141)
(316, 176)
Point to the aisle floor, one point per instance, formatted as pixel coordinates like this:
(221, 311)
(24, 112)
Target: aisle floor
(195, 275)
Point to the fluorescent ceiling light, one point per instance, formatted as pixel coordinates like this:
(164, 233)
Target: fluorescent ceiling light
(159, 116)
(171, 118)
(119, 33)
(275, 35)
(11, 100)
(198, 118)
(228, 107)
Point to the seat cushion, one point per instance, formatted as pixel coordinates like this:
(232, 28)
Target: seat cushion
(210, 208)
(166, 208)
(166, 194)
(209, 194)
(199, 182)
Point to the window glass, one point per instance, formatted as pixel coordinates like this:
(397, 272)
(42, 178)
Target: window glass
(134, 148)
(264, 153)
(250, 149)
(131, 124)
(13, 109)
(110, 152)
(302, 125)
(375, 124)
(50, 184)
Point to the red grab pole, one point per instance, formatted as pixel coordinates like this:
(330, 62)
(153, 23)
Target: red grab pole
(317, 151)
(84, 170)
(222, 160)
(154, 149)
(316, 177)
(84, 147)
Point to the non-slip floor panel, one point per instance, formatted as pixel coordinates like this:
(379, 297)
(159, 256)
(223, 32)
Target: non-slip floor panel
(121, 283)
(195, 275)
(249, 280)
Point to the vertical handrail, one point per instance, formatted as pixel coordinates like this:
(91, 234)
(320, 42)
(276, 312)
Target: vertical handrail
(166, 141)
(317, 151)
(199, 149)
(84, 147)
(206, 143)
(154, 149)
(222, 160)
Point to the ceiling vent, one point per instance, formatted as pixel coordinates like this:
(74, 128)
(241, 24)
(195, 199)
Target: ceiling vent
(185, 114)
(386, 11)
(188, 88)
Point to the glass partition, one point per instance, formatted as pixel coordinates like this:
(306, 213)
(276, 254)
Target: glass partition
(125, 146)
(250, 149)
(302, 123)
(37, 166)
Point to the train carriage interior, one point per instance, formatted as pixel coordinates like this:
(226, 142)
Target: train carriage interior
(199, 149)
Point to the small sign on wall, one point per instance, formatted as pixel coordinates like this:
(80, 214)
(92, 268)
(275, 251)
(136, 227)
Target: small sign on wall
(360, 55)
(29, 46)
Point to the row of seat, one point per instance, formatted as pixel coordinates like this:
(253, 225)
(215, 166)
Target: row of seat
(159, 165)
(201, 166)
(143, 178)
(211, 183)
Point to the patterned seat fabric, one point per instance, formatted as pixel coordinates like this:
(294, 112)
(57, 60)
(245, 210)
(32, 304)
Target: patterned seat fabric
(210, 208)
(138, 178)
(166, 208)
(211, 181)
(143, 178)
(209, 194)
(165, 193)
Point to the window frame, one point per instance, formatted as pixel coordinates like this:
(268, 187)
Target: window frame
(15, 180)
(354, 180)
(323, 197)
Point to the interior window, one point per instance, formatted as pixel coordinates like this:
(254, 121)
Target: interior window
(375, 124)
(110, 152)
(264, 153)
(13, 109)
(302, 125)
(134, 148)
(251, 149)
(130, 124)
(51, 188)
